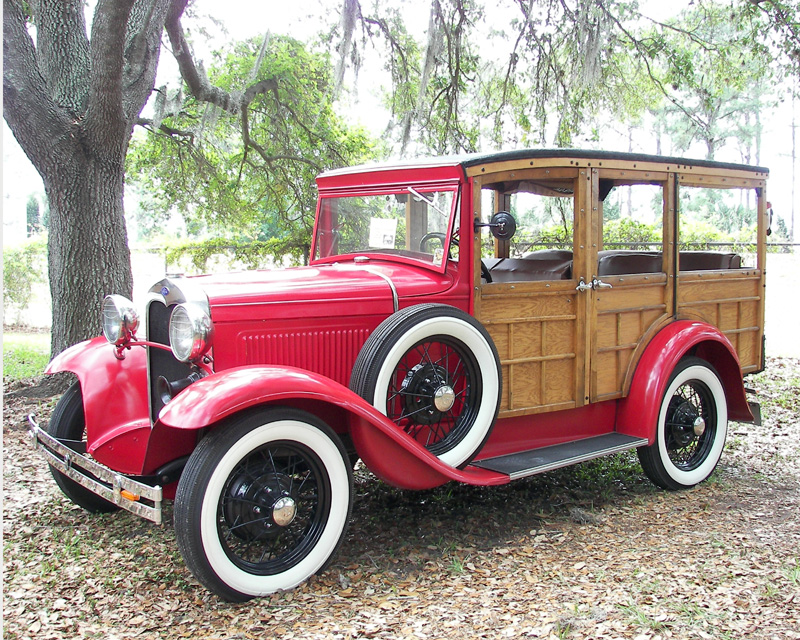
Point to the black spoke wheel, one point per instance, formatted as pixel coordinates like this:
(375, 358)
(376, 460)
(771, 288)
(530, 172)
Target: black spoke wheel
(691, 429)
(263, 503)
(68, 424)
(435, 393)
(433, 371)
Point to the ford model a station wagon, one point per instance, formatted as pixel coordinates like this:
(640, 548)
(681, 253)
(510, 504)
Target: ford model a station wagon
(473, 319)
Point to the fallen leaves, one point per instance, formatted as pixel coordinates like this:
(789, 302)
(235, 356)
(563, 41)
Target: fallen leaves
(591, 552)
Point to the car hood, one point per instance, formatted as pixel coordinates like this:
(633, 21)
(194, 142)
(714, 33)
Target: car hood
(322, 291)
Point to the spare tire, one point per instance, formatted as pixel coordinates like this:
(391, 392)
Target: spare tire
(434, 371)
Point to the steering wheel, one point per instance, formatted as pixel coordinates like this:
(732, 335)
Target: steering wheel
(431, 235)
(485, 274)
(436, 235)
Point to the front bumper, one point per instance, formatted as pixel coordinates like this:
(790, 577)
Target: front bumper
(142, 499)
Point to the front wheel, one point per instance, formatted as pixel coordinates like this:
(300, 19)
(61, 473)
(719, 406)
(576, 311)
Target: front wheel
(263, 503)
(692, 426)
(68, 424)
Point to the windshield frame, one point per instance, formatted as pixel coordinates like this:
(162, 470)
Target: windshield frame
(412, 190)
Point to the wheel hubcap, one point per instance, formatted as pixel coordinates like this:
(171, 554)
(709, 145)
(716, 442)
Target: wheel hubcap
(427, 393)
(444, 398)
(283, 511)
(699, 426)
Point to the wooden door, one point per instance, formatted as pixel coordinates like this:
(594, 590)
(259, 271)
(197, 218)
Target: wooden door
(632, 297)
(535, 317)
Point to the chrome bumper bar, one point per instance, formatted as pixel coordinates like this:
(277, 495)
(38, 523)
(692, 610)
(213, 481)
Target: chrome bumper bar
(142, 499)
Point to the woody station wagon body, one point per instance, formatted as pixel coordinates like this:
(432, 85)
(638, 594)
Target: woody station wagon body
(445, 330)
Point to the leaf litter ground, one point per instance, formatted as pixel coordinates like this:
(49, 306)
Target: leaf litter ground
(592, 551)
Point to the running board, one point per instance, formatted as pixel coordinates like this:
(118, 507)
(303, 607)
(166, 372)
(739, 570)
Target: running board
(528, 463)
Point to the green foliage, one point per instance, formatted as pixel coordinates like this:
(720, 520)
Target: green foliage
(24, 355)
(195, 257)
(23, 267)
(713, 76)
(631, 234)
(254, 185)
(776, 24)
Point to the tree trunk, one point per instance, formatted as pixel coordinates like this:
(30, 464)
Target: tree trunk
(87, 245)
(71, 102)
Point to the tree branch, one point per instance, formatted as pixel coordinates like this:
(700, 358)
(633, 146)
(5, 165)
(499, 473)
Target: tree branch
(105, 124)
(166, 129)
(36, 121)
(195, 79)
(142, 52)
(62, 51)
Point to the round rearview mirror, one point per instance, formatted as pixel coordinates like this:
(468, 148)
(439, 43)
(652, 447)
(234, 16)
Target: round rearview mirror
(503, 225)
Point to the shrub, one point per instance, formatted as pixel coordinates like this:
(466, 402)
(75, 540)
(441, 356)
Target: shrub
(23, 267)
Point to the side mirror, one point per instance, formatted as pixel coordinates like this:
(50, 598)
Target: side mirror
(502, 224)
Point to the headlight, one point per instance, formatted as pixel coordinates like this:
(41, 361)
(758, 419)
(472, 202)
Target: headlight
(120, 319)
(190, 331)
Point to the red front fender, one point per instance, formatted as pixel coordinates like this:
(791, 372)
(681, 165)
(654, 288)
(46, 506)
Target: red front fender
(388, 452)
(638, 412)
(114, 401)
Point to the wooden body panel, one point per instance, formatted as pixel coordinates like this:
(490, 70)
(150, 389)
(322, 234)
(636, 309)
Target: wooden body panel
(562, 348)
(625, 315)
(534, 327)
(731, 301)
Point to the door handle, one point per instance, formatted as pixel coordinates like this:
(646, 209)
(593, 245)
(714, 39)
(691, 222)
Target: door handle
(596, 283)
(599, 284)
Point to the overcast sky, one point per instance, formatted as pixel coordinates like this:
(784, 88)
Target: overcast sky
(302, 19)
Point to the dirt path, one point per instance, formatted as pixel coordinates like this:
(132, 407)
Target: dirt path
(588, 552)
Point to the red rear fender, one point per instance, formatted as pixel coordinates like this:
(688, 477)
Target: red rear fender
(638, 412)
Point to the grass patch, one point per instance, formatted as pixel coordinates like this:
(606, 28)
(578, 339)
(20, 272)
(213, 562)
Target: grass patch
(25, 355)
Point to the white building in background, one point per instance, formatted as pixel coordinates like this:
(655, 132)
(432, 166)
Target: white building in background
(20, 182)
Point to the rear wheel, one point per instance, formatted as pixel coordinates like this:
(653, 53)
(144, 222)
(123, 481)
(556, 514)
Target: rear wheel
(68, 425)
(692, 426)
(263, 503)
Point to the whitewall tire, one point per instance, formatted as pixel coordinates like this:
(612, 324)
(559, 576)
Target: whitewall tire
(263, 503)
(692, 427)
(434, 371)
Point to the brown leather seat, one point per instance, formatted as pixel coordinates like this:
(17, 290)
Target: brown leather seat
(550, 254)
(525, 270)
(615, 263)
(707, 260)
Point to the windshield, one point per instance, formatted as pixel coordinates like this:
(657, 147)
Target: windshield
(408, 222)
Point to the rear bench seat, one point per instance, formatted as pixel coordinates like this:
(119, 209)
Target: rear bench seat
(616, 262)
(551, 264)
(556, 264)
(707, 260)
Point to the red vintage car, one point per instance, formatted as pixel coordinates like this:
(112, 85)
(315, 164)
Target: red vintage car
(461, 319)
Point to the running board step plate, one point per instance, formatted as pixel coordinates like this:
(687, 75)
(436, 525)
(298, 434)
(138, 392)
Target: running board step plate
(528, 463)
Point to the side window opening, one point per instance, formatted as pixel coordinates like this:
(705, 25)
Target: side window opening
(542, 247)
(632, 234)
(717, 228)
